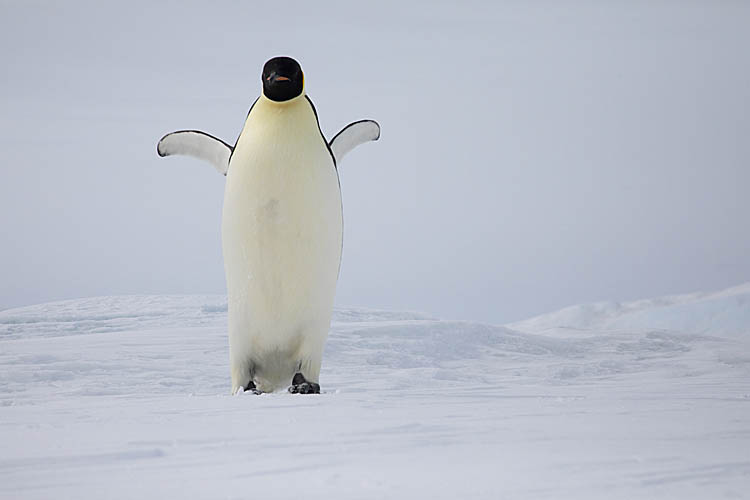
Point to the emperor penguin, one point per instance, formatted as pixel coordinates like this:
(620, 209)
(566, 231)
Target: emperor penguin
(282, 230)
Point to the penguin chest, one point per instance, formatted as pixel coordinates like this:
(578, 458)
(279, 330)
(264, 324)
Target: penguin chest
(281, 229)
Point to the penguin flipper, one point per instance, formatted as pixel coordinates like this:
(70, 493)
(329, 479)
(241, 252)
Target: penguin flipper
(353, 135)
(198, 145)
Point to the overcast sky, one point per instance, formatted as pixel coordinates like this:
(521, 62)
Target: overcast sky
(533, 155)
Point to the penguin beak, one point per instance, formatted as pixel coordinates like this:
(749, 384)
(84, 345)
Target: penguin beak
(273, 78)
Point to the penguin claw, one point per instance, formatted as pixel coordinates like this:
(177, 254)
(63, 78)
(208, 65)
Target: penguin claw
(306, 388)
(251, 388)
(302, 386)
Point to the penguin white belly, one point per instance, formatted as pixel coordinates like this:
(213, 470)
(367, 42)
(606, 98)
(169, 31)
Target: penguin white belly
(281, 238)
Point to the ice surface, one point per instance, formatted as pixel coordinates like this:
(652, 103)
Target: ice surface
(128, 397)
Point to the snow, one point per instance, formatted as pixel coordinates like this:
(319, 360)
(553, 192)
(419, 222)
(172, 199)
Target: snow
(123, 397)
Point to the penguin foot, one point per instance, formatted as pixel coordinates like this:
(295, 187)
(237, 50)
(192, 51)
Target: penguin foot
(301, 386)
(251, 388)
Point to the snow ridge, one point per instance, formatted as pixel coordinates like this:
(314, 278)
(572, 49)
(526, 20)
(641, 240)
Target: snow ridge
(726, 313)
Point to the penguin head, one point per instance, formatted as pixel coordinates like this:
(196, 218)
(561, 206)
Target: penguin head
(282, 79)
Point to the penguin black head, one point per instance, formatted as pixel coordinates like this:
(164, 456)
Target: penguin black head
(282, 79)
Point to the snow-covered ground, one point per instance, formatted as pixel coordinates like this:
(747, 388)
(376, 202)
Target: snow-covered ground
(128, 397)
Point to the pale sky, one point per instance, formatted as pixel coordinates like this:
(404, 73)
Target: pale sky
(533, 155)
